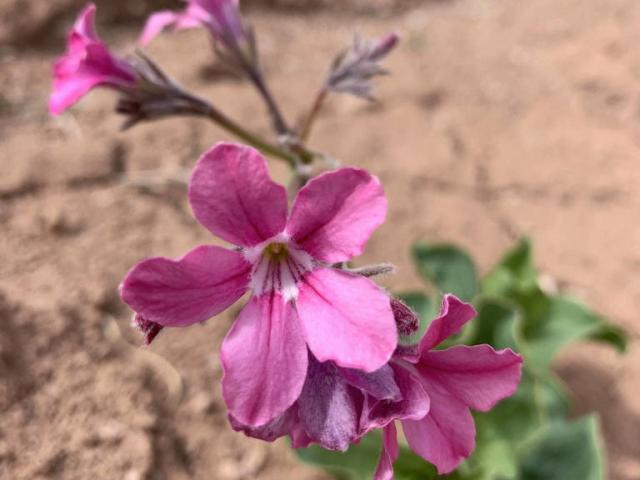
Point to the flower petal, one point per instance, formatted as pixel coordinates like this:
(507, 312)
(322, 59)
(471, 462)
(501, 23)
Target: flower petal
(67, 91)
(190, 17)
(454, 313)
(339, 310)
(413, 405)
(446, 436)
(334, 215)
(276, 428)
(179, 293)
(264, 357)
(379, 384)
(478, 376)
(389, 453)
(155, 24)
(232, 195)
(329, 407)
(85, 23)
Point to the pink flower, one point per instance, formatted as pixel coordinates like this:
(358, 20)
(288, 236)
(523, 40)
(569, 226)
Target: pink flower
(87, 64)
(456, 380)
(338, 406)
(298, 300)
(220, 17)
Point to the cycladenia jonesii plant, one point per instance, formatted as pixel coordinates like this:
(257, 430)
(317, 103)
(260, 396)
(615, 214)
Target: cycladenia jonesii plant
(319, 352)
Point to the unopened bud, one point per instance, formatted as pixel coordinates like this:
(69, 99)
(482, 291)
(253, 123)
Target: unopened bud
(406, 319)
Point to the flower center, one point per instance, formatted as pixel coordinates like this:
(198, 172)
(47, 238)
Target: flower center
(277, 251)
(280, 267)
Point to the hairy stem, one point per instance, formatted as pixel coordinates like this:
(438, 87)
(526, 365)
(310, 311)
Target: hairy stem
(204, 108)
(277, 119)
(305, 129)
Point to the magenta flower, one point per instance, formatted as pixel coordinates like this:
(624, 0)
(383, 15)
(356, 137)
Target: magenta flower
(87, 64)
(456, 380)
(298, 299)
(220, 17)
(338, 406)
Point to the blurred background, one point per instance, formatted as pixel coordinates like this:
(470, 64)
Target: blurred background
(502, 118)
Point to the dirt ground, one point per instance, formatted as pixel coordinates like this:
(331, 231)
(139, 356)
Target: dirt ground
(502, 118)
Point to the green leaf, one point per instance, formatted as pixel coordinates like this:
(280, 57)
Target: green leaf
(357, 463)
(360, 461)
(537, 401)
(563, 321)
(496, 323)
(450, 269)
(564, 451)
(515, 271)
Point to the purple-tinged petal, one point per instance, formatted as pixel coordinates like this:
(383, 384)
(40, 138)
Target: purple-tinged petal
(232, 195)
(413, 405)
(379, 384)
(329, 407)
(339, 310)
(446, 436)
(334, 215)
(264, 357)
(478, 376)
(223, 19)
(278, 427)
(299, 437)
(389, 453)
(179, 293)
(454, 313)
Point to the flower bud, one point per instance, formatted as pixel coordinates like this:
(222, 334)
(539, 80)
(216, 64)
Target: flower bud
(354, 68)
(407, 321)
(149, 329)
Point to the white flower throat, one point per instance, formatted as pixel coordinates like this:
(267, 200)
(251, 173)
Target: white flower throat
(278, 266)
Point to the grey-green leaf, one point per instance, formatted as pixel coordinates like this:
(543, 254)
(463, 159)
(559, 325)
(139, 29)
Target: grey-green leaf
(564, 451)
(449, 268)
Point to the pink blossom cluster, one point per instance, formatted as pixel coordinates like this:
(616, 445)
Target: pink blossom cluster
(314, 352)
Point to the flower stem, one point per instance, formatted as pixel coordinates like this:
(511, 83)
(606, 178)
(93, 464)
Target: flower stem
(277, 119)
(205, 109)
(305, 129)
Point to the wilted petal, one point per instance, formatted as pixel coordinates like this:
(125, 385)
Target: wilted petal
(379, 384)
(278, 427)
(179, 293)
(232, 195)
(389, 453)
(334, 215)
(329, 407)
(446, 436)
(454, 313)
(338, 311)
(264, 357)
(478, 376)
(414, 403)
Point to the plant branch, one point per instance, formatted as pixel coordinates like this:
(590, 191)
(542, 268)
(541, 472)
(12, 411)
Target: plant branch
(209, 111)
(305, 128)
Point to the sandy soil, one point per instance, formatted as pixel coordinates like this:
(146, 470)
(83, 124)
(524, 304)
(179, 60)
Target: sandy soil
(502, 118)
